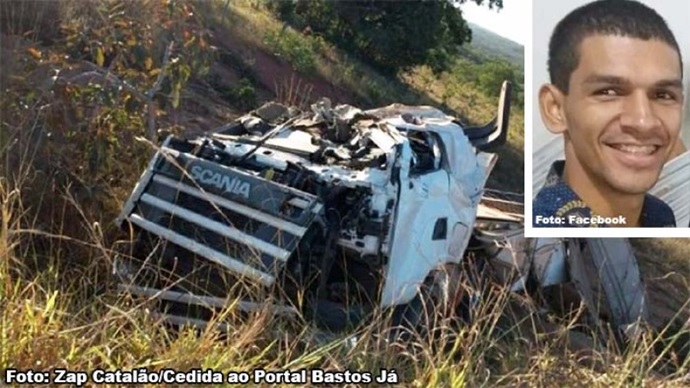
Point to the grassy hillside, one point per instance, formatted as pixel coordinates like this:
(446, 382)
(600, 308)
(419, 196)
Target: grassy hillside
(85, 83)
(489, 44)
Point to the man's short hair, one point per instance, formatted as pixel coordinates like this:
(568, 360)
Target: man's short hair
(606, 17)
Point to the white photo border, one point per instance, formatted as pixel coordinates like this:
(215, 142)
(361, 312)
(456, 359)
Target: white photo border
(585, 232)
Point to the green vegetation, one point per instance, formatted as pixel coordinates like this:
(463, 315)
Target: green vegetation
(486, 43)
(85, 82)
(297, 49)
(488, 75)
(456, 90)
(391, 35)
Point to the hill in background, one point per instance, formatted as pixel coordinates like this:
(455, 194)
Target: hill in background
(495, 46)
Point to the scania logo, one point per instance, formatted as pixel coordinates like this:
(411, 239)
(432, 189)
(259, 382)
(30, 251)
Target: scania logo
(224, 182)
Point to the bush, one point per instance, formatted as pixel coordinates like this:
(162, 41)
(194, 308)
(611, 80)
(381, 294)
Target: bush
(297, 50)
(68, 131)
(245, 95)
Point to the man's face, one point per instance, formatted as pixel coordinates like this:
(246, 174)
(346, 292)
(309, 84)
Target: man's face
(622, 112)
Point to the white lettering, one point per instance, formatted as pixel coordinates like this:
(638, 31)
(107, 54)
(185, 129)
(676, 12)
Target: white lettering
(224, 182)
(14, 376)
(63, 376)
(550, 220)
(387, 377)
(280, 377)
(597, 220)
(319, 376)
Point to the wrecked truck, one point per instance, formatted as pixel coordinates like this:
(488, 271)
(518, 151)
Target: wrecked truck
(329, 213)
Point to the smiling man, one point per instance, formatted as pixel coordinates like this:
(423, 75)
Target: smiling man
(616, 97)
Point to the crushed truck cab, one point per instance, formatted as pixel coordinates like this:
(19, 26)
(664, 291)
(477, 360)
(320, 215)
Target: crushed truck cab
(330, 213)
(352, 208)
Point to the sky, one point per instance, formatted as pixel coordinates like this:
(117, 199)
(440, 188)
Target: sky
(512, 22)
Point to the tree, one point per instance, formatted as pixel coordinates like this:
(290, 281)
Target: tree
(491, 77)
(392, 35)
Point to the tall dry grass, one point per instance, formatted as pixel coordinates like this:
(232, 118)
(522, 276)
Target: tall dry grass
(59, 307)
(71, 317)
(55, 315)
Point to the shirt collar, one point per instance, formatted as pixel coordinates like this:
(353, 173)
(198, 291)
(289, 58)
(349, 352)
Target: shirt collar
(557, 198)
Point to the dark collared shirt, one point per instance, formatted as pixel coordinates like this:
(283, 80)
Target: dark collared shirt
(557, 205)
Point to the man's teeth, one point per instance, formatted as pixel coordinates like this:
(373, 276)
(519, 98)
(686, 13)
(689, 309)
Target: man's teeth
(635, 149)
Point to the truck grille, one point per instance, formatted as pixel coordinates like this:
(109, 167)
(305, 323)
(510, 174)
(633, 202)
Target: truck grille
(245, 223)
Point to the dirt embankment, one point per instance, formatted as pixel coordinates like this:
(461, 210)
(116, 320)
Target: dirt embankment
(272, 73)
(206, 105)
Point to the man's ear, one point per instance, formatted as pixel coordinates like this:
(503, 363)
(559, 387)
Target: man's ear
(551, 101)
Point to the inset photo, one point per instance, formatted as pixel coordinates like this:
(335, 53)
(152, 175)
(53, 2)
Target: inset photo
(607, 146)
